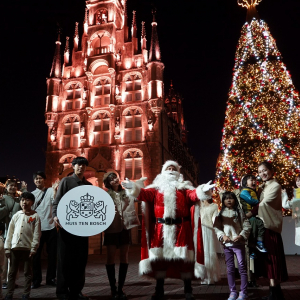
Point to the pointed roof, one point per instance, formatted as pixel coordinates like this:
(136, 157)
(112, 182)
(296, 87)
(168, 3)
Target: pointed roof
(133, 26)
(154, 46)
(56, 64)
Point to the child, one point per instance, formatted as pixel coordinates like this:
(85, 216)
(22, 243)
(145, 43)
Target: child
(249, 199)
(294, 204)
(232, 229)
(2, 230)
(21, 243)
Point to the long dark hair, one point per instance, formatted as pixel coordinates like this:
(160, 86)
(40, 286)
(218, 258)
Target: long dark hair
(108, 179)
(230, 195)
(267, 164)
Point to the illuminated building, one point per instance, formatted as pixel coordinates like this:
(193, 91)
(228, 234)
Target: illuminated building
(105, 102)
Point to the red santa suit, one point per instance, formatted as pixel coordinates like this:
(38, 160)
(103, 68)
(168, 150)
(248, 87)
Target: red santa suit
(170, 250)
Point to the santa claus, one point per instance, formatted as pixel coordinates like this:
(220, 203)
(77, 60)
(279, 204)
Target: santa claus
(171, 229)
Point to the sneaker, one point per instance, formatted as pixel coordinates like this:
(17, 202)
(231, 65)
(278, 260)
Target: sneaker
(260, 246)
(242, 296)
(4, 285)
(233, 296)
(253, 256)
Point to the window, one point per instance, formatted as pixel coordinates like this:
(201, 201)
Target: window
(66, 161)
(133, 165)
(133, 126)
(71, 133)
(102, 92)
(101, 129)
(101, 17)
(133, 88)
(73, 99)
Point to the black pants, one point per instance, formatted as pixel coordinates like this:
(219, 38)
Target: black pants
(50, 238)
(72, 254)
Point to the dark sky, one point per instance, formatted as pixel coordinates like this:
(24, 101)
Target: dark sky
(198, 41)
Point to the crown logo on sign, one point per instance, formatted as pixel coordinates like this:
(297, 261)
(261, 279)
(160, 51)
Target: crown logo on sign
(87, 198)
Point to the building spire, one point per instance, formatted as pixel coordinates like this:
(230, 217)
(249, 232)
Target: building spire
(143, 37)
(154, 47)
(125, 22)
(251, 9)
(67, 52)
(56, 64)
(76, 37)
(133, 26)
(86, 21)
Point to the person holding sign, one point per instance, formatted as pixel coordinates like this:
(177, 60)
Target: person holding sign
(117, 235)
(72, 251)
(172, 244)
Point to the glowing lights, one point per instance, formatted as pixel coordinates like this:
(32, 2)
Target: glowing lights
(262, 117)
(248, 3)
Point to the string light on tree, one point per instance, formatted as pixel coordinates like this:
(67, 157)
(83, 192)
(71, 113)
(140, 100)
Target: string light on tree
(263, 110)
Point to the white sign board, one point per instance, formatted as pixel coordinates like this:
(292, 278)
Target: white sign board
(86, 210)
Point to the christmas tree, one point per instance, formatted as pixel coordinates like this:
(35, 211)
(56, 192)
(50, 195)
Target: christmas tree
(262, 115)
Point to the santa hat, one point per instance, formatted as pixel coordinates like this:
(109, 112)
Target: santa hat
(110, 171)
(169, 163)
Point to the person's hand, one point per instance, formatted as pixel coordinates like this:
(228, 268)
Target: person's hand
(23, 185)
(127, 184)
(55, 185)
(55, 219)
(221, 190)
(7, 255)
(226, 239)
(249, 215)
(238, 239)
(208, 186)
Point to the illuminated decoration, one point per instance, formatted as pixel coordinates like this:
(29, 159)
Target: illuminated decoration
(248, 3)
(263, 111)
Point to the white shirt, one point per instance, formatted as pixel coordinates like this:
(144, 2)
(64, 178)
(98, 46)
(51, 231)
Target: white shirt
(44, 210)
(24, 232)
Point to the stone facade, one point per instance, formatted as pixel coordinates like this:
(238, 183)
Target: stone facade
(106, 102)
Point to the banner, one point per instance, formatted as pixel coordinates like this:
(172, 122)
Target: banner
(86, 210)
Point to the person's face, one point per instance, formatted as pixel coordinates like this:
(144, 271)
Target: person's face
(229, 202)
(298, 182)
(26, 204)
(11, 188)
(39, 182)
(251, 183)
(79, 169)
(171, 168)
(114, 181)
(264, 173)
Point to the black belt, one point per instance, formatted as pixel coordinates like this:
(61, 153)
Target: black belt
(171, 221)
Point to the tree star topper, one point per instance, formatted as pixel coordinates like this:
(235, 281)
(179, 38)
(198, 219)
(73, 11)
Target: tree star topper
(248, 3)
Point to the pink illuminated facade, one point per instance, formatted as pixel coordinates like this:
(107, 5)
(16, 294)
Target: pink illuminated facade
(105, 101)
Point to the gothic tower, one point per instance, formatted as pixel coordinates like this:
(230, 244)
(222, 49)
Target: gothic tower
(106, 102)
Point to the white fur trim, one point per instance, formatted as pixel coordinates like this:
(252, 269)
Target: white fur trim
(169, 163)
(203, 195)
(199, 271)
(181, 253)
(145, 267)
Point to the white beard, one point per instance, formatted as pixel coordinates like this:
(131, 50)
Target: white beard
(167, 180)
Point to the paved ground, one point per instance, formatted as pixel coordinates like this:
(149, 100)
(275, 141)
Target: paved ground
(97, 286)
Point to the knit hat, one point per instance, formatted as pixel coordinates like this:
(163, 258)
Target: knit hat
(169, 163)
(110, 171)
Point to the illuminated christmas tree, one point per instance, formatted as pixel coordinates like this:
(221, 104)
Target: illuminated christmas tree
(262, 115)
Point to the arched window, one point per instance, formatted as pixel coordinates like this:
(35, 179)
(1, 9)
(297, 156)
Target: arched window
(101, 16)
(101, 129)
(66, 161)
(134, 88)
(133, 159)
(73, 99)
(133, 126)
(102, 92)
(71, 132)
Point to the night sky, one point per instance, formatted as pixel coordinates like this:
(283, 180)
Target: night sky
(197, 39)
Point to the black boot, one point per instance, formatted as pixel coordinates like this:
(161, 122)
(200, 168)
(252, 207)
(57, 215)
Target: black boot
(159, 290)
(110, 269)
(122, 276)
(188, 290)
(279, 292)
(272, 294)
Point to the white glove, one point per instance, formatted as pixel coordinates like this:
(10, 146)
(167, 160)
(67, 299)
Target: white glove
(127, 184)
(208, 186)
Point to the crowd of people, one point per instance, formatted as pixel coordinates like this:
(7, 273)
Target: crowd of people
(183, 231)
